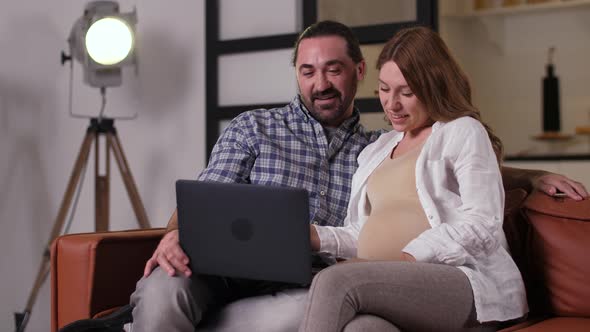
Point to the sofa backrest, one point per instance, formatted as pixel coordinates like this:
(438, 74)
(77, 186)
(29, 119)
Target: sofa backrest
(549, 240)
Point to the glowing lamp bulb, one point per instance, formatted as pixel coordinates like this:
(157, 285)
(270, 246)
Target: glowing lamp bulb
(109, 41)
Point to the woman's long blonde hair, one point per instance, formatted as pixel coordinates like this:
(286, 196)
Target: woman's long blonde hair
(434, 76)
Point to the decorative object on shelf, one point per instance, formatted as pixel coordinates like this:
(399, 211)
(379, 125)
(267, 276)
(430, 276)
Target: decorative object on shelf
(551, 118)
(550, 95)
(583, 130)
(553, 136)
(509, 3)
(487, 4)
(539, 1)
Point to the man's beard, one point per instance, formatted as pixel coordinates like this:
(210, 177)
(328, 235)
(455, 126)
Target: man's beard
(326, 114)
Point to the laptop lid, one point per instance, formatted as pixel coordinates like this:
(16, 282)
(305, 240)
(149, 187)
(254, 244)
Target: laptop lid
(245, 230)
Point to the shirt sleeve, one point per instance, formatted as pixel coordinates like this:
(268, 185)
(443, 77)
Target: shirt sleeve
(340, 242)
(233, 155)
(476, 225)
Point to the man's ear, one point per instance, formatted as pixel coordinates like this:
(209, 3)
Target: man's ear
(361, 70)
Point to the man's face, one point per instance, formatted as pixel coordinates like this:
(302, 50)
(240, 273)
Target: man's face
(327, 78)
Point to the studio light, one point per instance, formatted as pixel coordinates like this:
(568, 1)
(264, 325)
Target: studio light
(103, 41)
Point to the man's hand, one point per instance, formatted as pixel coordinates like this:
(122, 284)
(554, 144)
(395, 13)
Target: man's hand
(551, 183)
(170, 256)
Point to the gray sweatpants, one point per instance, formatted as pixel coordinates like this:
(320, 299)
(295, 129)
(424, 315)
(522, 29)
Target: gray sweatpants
(410, 296)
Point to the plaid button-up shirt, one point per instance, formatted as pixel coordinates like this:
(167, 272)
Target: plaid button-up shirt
(287, 147)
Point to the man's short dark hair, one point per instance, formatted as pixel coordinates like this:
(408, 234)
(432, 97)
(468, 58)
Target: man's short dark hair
(331, 28)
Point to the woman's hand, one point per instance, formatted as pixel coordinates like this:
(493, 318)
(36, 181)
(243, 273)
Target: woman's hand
(354, 260)
(314, 238)
(407, 257)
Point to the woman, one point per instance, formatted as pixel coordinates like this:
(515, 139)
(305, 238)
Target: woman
(426, 208)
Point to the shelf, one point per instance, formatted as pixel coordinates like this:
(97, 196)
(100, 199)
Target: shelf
(517, 9)
(548, 157)
(553, 136)
(494, 19)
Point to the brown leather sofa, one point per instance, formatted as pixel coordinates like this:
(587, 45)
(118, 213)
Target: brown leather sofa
(92, 274)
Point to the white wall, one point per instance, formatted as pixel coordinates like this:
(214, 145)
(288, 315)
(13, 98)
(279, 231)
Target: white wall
(39, 141)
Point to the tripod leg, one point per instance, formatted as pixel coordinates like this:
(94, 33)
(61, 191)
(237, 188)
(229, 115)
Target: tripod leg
(138, 208)
(102, 187)
(81, 161)
(23, 318)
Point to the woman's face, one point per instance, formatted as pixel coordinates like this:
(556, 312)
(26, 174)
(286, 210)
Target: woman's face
(401, 106)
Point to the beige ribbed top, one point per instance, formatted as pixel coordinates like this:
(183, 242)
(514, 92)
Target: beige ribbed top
(396, 215)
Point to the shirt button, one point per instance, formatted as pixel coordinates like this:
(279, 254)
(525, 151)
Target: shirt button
(323, 193)
(430, 216)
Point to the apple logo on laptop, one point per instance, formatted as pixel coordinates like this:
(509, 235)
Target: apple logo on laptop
(242, 229)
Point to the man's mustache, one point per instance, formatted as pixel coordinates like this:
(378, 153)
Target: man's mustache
(331, 92)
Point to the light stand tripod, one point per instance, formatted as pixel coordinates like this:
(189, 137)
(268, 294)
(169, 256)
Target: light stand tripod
(98, 126)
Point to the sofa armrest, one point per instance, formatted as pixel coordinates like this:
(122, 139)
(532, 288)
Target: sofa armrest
(93, 272)
(558, 264)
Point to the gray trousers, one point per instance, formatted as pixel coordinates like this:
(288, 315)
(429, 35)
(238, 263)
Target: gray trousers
(164, 303)
(409, 296)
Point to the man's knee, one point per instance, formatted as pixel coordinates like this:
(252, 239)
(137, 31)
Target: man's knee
(282, 312)
(163, 301)
(159, 286)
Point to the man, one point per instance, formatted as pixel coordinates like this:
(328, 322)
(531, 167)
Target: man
(312, 142)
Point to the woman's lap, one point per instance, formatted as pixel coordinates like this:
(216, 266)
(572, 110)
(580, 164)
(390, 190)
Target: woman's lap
(412, 296)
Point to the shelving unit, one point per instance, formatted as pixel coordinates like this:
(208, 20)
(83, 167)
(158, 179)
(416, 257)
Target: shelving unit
(494, 18)
(465, 9)
(486, 38)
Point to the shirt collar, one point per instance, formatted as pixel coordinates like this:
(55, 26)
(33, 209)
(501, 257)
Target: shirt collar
(350, 124)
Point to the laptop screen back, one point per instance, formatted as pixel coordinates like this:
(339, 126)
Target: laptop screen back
(245, 231)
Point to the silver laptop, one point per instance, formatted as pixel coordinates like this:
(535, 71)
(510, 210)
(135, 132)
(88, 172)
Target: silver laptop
(245, 231)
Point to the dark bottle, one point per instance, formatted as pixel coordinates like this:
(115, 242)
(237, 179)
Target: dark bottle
(551, 118)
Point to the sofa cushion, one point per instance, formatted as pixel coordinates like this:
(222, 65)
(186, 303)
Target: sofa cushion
(558, 324)
(559, 244)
